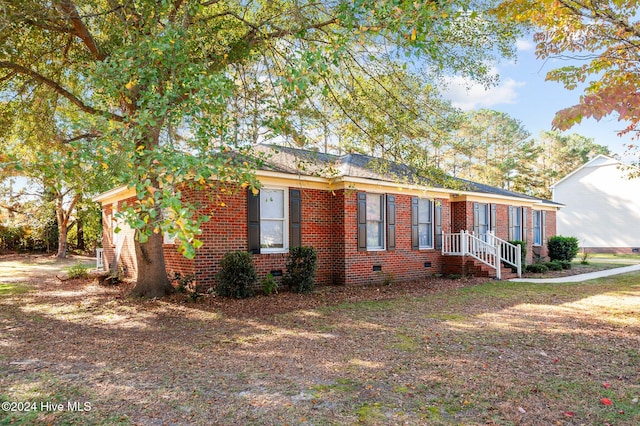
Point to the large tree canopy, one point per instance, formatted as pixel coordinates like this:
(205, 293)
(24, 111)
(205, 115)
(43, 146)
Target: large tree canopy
(603, 37)
(167, 86)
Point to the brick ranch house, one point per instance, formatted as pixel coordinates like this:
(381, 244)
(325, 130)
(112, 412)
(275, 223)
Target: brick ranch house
(367, 225)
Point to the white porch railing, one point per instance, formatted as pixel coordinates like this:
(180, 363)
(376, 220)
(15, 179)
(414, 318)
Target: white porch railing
(490, 250)
(99, 258)
(510, 253)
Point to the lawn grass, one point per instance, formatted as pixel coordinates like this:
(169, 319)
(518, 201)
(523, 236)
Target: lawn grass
(497, 353)
(600, 258)
(12, 289)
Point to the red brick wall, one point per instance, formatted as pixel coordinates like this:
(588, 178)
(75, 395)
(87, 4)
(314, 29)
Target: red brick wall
(175, 262)
(320, 230)
(550, 226)
(502, 221)
(227, 231)
(339, 235)
(403, 263)
(329, 223)
(462, 216)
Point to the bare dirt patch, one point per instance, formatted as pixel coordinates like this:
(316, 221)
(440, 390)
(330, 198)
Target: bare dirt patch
(34, 267)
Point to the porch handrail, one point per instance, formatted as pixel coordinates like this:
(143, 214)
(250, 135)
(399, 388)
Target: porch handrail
(510, 253)
(464, 243)
(491, 252)
(99, 258)
(483, 251)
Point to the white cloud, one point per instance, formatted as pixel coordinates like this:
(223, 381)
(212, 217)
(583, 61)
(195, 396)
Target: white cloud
(524, 45)
(467, 95)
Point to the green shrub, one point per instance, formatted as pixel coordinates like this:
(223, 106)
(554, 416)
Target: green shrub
(562, 248)
(78, 271)
(554, 265)
(566, 264)
(237, 277)
(301, 269)
(269, 285)
(537, 268)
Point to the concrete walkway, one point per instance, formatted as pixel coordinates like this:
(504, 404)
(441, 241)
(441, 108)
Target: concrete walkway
(582, 277)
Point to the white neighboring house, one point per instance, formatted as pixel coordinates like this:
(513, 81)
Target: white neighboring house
(602, 206)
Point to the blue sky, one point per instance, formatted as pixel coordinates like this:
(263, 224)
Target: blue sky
(524, 94)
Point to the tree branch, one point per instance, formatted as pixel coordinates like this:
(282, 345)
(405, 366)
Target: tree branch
(68, 9)
(174, 10)
(49, 27)
(282, 33)
(82, 136)
(60, 90)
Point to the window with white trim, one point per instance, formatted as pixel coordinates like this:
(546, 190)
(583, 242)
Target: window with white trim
(425, 223)
(375, 221)
(538, 227)
(517, 223)
(273, 220)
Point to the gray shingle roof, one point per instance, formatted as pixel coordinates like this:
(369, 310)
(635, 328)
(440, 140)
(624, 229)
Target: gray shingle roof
(313, 163)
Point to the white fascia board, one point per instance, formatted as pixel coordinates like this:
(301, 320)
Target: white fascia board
(115, 194)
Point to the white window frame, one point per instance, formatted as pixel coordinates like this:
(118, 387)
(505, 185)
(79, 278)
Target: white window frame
(517, 217)
(538, 231)
(383, 221)
(431, 225)
(486, 209)
(284, 220)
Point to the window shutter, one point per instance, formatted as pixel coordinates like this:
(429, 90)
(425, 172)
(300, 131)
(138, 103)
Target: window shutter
(362, 221)
(415, 234)
(295, 218)
(253, 221)
(525, 228)
(494, 215)
(511, 223)
(476, 219)
(543, 227)
(438, 224)
(391, 222)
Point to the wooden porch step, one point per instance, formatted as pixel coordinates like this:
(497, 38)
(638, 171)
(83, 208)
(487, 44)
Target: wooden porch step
(467, 265)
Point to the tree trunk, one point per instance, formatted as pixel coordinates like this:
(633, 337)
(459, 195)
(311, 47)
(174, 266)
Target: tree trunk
(63, 215)
(62, 241)
(80, 228)
(152, 278)
(63, 220)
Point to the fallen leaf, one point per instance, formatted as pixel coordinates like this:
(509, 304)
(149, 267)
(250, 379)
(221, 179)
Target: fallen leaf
(522, 410)
(569, 414)
(606, 401)
(606, 385)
